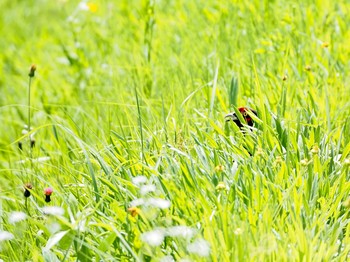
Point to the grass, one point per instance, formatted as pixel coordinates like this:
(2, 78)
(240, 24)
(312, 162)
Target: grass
(128, 105)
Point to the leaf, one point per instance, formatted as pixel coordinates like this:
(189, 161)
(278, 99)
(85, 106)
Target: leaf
(107, 242)
(54, 239)
(233, 92)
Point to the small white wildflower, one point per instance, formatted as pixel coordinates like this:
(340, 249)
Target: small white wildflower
(137, 202)
(238, 231)
(167, 259)
(17, 217)
(180, 231)
(200, 247)
(158, 202)
(5, 235)
(52, 210)
(153, 238)
(138, 180)
(36, 160)
(54, 227)
(145, 189)
(304, 162)
(83, 6)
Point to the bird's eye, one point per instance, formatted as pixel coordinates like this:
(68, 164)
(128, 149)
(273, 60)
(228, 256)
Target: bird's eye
(244, 113)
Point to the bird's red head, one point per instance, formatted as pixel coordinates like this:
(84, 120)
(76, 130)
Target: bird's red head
(244, 111)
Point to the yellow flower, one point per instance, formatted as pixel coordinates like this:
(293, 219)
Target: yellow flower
(308, 68)
(278, 160)
(304, 162)
(219, 168)
(346, 203)
(92, 7)
(284, 78)
(325, 45)
(259, 152)
(221, 186)
(134, 211)
(347, 161)
(315, 149)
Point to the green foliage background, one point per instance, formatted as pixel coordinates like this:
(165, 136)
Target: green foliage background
(128, 88)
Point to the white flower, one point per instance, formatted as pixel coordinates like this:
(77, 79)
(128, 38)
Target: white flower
(167, 259)
(180, 231)
(145, 189)
(54, 228)
(17, 217)
(83, 6)
(137, 202)
(200, 247)
(138, 180)
(158, 202)
(153, 238)
(52, 210)
(5, 235)
(238, 231)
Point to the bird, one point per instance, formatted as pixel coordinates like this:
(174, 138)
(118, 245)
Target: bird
(244, 111)
(246, 115)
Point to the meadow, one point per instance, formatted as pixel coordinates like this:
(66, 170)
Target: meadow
(128, 156)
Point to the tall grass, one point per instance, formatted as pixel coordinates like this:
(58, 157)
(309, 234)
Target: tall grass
(128, 108)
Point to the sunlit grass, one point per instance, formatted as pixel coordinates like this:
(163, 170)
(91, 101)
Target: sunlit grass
(131, 146)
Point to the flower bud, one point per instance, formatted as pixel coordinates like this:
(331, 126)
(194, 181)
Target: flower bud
(32, 142)
(48, 191)
(219, 168)
(27, 188)
(32, 70)
(308, 68)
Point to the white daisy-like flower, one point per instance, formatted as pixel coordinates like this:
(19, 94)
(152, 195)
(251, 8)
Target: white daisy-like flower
(145, 189)
(200, 247)
(137, 202)
(153, 238)
(53, 210)
(158, 202)
(5, 235)
(17, 216)
(180, 231)
(139, 180)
